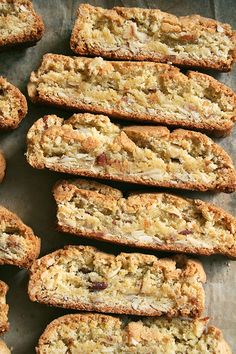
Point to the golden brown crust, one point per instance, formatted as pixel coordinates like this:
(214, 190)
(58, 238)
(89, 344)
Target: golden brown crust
(18, 244)
(4, 325)
(127, 33)
(77, 263)
(201, 220)
(146, 98)
(2, 166)
(134, 144)
(13, 105)
(32, 32)
(104, 333)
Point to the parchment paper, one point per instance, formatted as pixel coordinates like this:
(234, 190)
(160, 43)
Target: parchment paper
(27, 191)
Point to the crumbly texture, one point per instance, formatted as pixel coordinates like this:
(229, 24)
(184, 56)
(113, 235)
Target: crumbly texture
(19, 23)
(154, 221)
(142, 91)
(91, 145)
(13, 105)
(84, 278)
(2, 166)
(4, 325)
(100, 334)
(3, 348)
(148, 34)
(18, 244)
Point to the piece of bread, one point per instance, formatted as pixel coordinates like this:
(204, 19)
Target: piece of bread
(18, 244)
(13, 105)
(148, 34)
(83, 278)
(142, 91)
(95, 333)
(4, 325)
(20, 25)
(3, 348)
(154, 221)
(91, 145)
(2, 166)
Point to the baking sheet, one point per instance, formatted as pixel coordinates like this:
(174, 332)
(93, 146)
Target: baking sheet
(28, 192)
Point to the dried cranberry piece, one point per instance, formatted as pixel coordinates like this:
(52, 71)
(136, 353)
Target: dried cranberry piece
(101, 160)
(186, 232)
(98, 286)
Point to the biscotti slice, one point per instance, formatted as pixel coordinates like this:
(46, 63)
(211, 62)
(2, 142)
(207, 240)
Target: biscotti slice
(13, 105)
(142, 91)
(3, 348)
(91, 145)
(95, 333)
(4, 325)
(18, 244)
(19, 23)
(148, 34)
(154, 221)
(83, 278)
(2, 166)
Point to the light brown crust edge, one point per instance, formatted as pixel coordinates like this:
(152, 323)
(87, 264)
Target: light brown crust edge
(22, 40)
(229, 219)
(82, 49)
(22, 101)
(194, 265)
(2, 166)
(4, 288)
(33, 253)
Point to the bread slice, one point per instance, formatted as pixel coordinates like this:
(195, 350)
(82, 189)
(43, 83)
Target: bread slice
(154, 221)
(3, 348)
(142, 91)
(95, 333)
(13, 105)
(2, 166)
(4, 325)
(90, 145)
(148, 34)
(18, 244)
(83, 278)
(19, 23)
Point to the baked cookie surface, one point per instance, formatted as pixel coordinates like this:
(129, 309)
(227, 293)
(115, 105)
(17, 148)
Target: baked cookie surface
(83, 278)
(157, 221)
(19, 24)
(13, 105)
(18, 244)
(141, 91)
(90, 145)
(149, 34)
(4, 325)
(95, 333)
